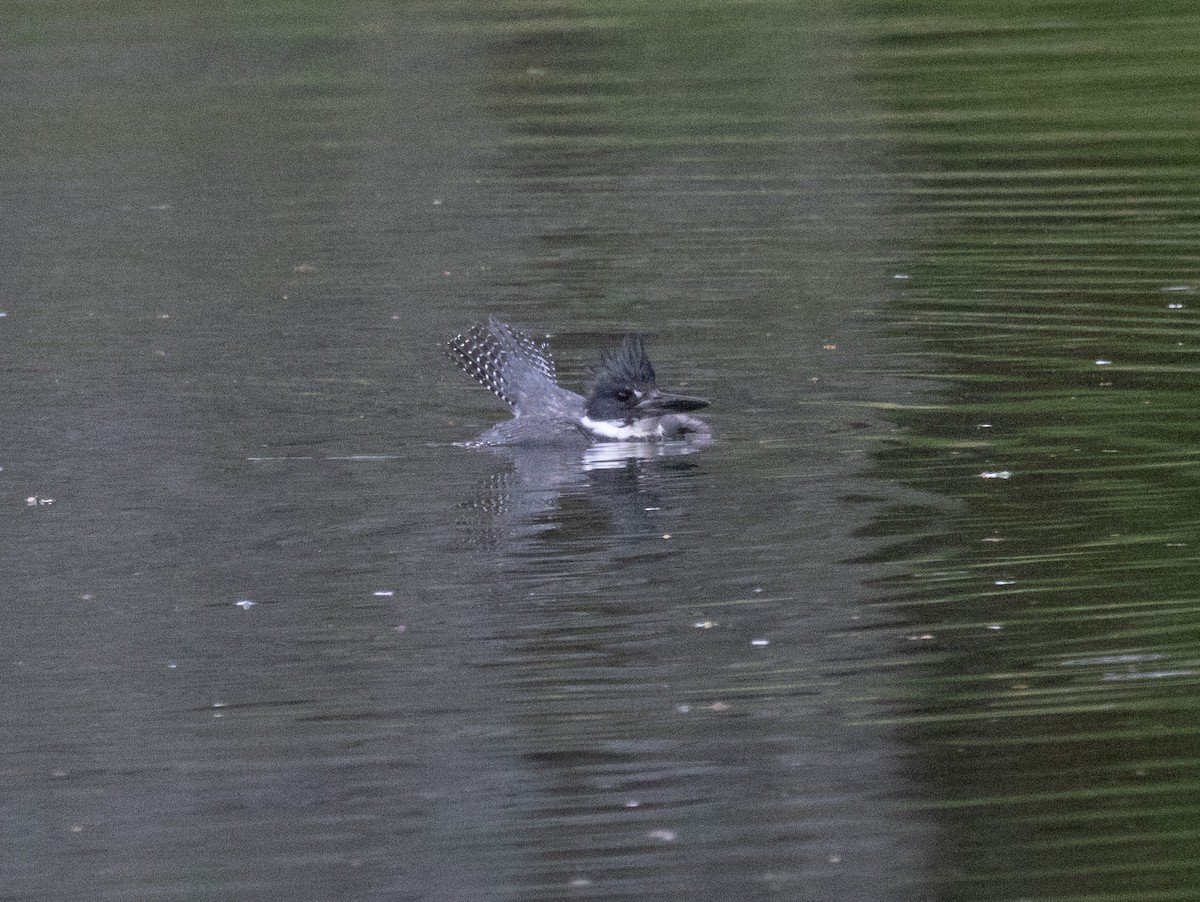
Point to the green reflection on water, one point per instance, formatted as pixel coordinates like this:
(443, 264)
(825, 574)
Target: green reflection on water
(1053, 176)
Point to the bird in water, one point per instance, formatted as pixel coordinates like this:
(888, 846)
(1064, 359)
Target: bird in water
(624, 402)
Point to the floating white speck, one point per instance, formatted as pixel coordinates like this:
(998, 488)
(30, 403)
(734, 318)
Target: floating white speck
(663, 835)
(1103, 363)
(983, 425)
(704, 624)
(383, 593)
(245, 603)
(632, 803)
(3, 313)
(995, 626)
(580, 881)
(901, 275)
(1175, 306)
(760, 642)
(996, 474)
(1179, 288)
(684, 709)
(1005, 582)
(37, 501)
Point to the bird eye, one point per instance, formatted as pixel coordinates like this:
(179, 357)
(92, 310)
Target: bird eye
(624, 394)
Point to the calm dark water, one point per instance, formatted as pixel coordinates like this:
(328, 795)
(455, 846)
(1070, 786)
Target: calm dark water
(921, 624)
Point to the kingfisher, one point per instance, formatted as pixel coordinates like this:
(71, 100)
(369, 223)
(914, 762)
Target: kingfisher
(624, 402)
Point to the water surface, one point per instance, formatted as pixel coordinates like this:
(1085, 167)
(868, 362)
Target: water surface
(919, 625)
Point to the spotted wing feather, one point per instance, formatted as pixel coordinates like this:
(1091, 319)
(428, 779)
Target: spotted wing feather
(507, 361)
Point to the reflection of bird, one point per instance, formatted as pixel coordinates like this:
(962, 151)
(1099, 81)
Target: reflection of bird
(624, 404)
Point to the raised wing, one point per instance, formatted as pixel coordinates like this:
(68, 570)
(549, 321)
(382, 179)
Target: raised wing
(510, 363)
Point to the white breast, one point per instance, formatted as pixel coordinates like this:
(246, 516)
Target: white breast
(624, 432)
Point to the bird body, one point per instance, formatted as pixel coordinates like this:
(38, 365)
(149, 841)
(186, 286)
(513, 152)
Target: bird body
(623, 404)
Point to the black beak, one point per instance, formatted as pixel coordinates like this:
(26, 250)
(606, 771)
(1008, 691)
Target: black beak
(658, 402)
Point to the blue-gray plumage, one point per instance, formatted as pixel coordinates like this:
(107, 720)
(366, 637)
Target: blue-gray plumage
(623, 404)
